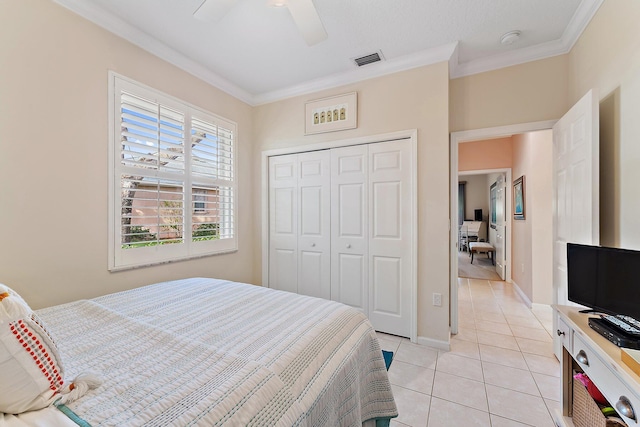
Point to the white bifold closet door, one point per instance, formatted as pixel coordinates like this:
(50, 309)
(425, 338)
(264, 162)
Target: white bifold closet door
(299, 224)
(371, 232)
(340, 228)
(350, 226)
(390, 235)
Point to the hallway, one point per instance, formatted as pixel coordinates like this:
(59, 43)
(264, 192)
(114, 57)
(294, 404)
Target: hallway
(482, 267)
(500, 371)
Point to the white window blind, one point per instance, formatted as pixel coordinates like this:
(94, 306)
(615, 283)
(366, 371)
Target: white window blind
(173, 178)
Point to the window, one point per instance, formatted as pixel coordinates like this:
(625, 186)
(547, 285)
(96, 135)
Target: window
(172, 178)
(199, 201)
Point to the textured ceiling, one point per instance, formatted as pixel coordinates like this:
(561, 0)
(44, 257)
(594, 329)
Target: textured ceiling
(256, 52)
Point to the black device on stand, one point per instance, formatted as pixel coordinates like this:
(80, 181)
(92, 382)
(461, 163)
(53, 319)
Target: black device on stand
(614, 334)
(607, 281)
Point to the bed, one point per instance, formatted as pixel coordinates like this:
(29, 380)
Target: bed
(211, 352)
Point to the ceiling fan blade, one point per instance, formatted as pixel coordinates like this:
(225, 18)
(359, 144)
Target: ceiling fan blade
(306, 18)
(213, 10)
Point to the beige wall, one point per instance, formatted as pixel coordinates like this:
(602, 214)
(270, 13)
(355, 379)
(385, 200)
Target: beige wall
(532, 237)
(541, 208)
(54, 154)
(521, 229)
(485, 154)
(414, 99)
(476, 195)
(607, 58)
(523, 93)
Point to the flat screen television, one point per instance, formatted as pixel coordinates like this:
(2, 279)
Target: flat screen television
(604, 279)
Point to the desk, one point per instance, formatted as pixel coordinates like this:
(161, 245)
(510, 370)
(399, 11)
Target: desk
(471, 231)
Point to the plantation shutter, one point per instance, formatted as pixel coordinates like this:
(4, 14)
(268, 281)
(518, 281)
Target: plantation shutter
(172, 199)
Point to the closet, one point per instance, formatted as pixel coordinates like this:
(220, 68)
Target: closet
(341, 228)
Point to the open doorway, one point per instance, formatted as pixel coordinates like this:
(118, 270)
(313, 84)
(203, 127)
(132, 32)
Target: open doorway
(485, 160)
(482, 240)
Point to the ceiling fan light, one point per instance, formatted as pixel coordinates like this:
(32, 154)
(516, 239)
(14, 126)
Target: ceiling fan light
(307, 20)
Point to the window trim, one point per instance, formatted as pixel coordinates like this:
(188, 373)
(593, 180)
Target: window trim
(164, 253)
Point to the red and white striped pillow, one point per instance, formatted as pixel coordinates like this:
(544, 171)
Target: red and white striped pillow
(30, 365)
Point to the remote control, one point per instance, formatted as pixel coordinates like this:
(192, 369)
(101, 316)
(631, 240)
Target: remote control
(630, 320)
(622, 324)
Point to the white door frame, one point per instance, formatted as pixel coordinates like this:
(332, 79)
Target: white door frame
(456, 139)
(412, 135)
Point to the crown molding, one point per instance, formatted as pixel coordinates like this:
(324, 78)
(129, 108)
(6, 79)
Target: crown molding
(378, 69)
(585, 12)
(449, 52)
(453, 61)
(508, 59)
(581, 18)
(123, 29)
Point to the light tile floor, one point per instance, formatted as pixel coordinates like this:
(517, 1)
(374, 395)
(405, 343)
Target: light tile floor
(500, 371)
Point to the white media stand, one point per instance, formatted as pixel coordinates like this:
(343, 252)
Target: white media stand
(600, 359)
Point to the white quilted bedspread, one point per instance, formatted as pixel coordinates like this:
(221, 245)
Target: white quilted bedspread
(211, 352)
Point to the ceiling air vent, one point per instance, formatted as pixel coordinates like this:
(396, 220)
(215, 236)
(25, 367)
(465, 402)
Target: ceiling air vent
(368, 59)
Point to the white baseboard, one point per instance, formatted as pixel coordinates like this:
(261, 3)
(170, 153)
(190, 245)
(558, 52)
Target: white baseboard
(440, 345)
(541, 307)
(522, 295)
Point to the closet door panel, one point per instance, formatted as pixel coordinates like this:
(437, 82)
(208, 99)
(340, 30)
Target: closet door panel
(386, 213)
(310, 213)
(352, 214)
(386, 274)
(285, 214)
(351, 270)
(283, 270)
(390, 236)
(312, 274)
(314, 237)
(349, 219)
(283, 223)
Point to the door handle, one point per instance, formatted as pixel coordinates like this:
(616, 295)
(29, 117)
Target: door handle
(348, 246)
(582, 358)
(623, 405)
(313, 245)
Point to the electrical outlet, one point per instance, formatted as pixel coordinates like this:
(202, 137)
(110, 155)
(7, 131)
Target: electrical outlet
(522, 268)
(437, 300)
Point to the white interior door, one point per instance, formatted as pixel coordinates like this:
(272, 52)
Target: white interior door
(390, 236)
(501, 226)
(283, 222)
(314, 238)
(576, 188)
(349, 226)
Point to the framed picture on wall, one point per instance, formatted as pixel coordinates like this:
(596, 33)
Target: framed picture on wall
(331, 114)
(518, 198)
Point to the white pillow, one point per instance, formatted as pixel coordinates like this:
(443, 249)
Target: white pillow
(30, 365)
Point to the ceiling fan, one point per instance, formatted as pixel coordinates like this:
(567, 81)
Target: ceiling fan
(303, 12)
